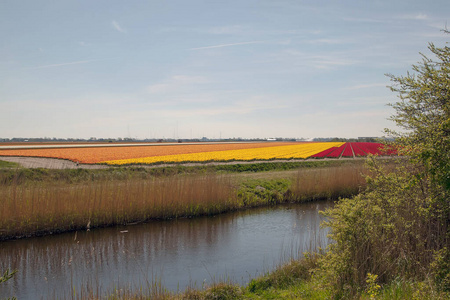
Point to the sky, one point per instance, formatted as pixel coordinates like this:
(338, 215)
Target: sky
(216, 69)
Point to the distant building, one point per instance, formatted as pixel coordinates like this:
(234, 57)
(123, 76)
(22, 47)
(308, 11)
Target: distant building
(368, 139)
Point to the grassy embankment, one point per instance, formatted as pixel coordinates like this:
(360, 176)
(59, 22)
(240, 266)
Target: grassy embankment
(39, 201)
(43, 201)
(309, 278)
(7, 164)
(297, 279)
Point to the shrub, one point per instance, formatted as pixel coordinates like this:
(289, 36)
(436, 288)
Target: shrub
(223, 291)
(400, 227)
(441, 269)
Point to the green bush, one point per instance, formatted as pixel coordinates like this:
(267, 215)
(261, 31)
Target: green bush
(400, 226)
(284, 276)
(256, 191)
(223, 291)
(441, 269)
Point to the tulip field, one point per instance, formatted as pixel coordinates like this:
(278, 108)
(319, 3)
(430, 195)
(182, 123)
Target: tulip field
(298, 150)
(354, 150)
(216, 152)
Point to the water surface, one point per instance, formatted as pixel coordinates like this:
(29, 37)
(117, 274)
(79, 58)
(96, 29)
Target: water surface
(178, 253)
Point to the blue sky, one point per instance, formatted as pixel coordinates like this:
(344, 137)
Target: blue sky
(188, 69)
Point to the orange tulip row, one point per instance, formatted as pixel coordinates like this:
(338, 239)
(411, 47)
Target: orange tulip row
(101, 154)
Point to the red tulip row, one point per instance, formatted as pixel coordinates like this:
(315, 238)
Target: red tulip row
(338, 151)
(348, 151)
(355, 149)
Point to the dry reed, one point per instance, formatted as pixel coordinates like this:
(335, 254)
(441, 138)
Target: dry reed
(46, 208)
(40, 208)
(330, 182)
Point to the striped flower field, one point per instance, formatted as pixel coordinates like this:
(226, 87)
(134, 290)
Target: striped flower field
(299, 150)
(220, 152)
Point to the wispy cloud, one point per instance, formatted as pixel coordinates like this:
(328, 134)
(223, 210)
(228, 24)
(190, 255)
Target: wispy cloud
(65, 64)
(318, 61)
(226, 45)
(360, 102)
(233, 29)
(176, 82)
(418, 16)
(117, 27)
(233, 109)
(328, 41)
(365, 20)
(158, 88)
(365, 86)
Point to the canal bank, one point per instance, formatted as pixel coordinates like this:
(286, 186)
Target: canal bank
(73, 201)
(38, 202)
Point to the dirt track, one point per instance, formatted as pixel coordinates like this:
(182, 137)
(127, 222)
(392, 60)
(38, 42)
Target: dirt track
(48, 163)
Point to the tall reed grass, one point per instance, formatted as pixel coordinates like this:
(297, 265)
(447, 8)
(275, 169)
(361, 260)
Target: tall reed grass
(329, 183)
(45, 207)
(36, 208)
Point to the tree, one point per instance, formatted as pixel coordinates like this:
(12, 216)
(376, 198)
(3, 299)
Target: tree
(399, 227)
(424, 112)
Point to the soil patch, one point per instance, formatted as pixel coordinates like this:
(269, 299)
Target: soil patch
(48, 163)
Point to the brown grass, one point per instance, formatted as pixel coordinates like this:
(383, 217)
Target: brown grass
(329, 183)
(43, 208)
(36, 208)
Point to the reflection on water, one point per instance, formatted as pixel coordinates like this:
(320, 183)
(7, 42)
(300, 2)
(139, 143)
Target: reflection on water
(180, 253)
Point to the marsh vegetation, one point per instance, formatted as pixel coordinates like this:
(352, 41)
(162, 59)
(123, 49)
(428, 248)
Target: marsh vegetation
(39, 201)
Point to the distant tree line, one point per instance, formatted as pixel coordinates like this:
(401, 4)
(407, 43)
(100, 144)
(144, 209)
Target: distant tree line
(170, 140)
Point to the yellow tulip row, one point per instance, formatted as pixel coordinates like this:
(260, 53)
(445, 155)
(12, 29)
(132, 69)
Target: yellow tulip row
(303, 150)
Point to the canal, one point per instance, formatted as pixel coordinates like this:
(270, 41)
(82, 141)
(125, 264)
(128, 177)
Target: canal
(174, 254)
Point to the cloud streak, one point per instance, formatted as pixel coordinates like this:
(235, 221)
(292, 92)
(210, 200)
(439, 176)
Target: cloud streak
(237, 109)
(366, 86)
(226, 45)
(365, 20)
(65, 64)
(118, 27)
(175, 83)
(418, 16)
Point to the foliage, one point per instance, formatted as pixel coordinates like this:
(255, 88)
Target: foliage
(223, 291)
(218, 291)
(284, 276)
(441, 269)
(399, 226)
(272, 191)
(7, 276)
(25, 175)
(7, 164)
(276, 166)
(373, 288)
(400, 289)
(424, 113)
